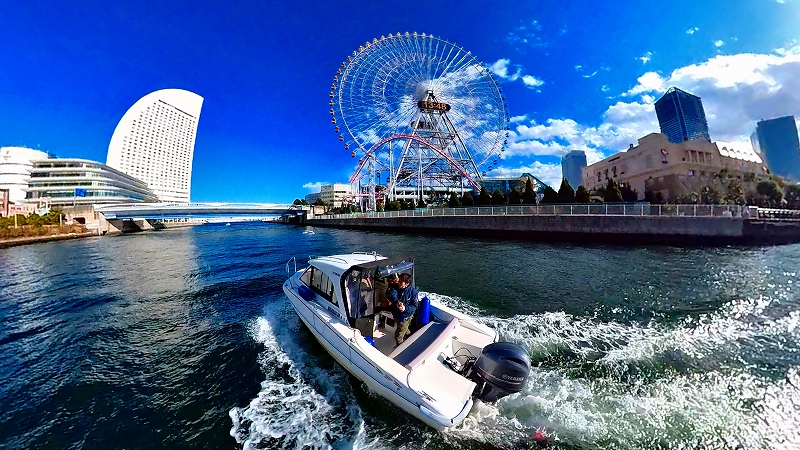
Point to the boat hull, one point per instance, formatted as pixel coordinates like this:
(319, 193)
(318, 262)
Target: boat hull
(359, 365)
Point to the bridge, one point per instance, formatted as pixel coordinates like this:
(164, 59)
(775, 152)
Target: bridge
(195, 210)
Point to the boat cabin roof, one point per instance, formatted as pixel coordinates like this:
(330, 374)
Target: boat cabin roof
(339, 264)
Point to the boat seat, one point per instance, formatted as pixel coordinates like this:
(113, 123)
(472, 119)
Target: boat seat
(424, 343)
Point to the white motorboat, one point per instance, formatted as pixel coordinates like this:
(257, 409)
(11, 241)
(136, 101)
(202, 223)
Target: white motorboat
(448, 362)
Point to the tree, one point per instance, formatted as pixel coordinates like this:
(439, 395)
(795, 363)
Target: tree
(484, 199)
(421, 203)
(628, 194)
(688, 198)
(432, 197)
(582, 195)
(793, 196)
(770, 191)
(709, 195)
(454, 202)
(565, 193)
(514, 198)
(410, 204)
(379, 207)
(497, 197)
(467, 199)
(393, 205)
(319, 202)
(297, 201)
(529, 196)
(613, 194)
(549, 195)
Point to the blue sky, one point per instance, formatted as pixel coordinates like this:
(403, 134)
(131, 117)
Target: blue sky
(68, 74)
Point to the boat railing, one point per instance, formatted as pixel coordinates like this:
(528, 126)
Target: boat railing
(335, 258)
(291, 261)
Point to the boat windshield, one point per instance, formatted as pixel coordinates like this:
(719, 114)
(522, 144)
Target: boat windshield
(360, 293)
(366, 285)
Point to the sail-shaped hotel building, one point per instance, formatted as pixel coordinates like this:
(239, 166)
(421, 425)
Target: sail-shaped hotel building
(154, 142)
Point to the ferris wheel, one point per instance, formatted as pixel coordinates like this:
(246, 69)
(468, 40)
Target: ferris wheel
(420, 113)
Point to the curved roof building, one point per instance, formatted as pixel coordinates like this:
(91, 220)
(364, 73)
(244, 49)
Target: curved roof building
(15, 168)
(73, 181)
(154, 142)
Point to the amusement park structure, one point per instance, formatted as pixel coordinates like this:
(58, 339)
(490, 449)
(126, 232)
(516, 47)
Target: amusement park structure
(420, 113)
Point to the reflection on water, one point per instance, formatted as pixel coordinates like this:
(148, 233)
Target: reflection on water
(183, 338)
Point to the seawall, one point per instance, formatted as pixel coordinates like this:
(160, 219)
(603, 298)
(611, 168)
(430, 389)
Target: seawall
(48, 238)
(586, 228)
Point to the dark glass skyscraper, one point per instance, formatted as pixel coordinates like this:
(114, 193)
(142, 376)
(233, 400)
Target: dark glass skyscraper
(571, 165)
(777, 142)
(681, 116)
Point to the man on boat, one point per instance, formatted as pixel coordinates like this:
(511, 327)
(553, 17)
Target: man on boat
(403, 299)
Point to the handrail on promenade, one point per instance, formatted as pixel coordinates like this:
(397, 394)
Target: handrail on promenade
(607, 209)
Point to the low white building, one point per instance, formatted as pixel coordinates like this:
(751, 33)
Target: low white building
(15, 169)
(335, 194)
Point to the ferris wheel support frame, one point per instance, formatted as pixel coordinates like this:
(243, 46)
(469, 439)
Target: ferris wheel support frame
(370, 154)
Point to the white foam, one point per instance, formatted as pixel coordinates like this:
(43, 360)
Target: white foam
(585, 398)
(300, 404)
(715, 405)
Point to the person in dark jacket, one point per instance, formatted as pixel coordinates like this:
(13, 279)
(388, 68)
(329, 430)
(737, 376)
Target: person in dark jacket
(404, 301)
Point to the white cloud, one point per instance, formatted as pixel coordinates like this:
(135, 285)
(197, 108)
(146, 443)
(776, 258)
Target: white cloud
(646, 57)
(315, 186)
(648, 82)
(526, 34)
(500, 68)
(692, 30)
(531, 81)
(719, 43)
(590, 75)
(737, 90)
(605, 88)
(623, 123)
(549, 173)
(516, 119)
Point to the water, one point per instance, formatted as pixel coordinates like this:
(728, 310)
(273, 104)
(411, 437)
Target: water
(184, 339)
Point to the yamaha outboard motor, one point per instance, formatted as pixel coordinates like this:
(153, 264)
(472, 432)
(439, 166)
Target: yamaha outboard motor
(500, 370)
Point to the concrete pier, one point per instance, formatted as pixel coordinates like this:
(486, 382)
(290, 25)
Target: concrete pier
(678, 230)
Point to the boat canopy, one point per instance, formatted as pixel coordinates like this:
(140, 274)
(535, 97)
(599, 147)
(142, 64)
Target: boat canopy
(365, 284)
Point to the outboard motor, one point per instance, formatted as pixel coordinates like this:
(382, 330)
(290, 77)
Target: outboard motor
(500, 370)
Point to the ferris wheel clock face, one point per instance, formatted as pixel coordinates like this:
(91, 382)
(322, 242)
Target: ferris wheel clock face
(417, 110)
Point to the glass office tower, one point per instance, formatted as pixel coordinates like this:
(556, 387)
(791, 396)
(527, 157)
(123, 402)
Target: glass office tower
(777, 142)
(681, 116)
(571, 165)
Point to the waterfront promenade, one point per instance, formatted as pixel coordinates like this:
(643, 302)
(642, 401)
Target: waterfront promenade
(625, 223)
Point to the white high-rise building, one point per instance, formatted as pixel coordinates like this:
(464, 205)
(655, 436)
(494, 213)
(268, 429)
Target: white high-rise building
(154, 142)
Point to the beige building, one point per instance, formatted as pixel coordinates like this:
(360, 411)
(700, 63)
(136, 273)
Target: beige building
(335, 194)
(659, 165)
